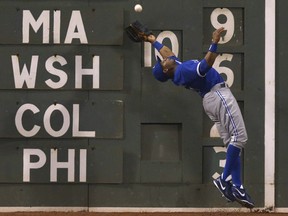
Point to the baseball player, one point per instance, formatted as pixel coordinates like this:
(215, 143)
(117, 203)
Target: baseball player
(219, 104)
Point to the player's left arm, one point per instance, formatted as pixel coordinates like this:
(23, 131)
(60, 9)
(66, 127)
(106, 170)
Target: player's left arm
(209, 59)
(211, 54)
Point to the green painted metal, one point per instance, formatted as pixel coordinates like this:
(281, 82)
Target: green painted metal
(152, 145)
(281, 176)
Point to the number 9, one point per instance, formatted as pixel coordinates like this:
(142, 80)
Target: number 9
(228, 25)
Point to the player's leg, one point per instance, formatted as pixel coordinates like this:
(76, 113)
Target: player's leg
(231, 118)
(224, 185)
(211, 103)
(236, 172)
(232, 156)
(231, 121)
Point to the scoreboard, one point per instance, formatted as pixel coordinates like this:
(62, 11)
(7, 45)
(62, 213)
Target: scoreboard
(82, 116)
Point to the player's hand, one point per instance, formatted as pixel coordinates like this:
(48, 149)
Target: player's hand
(150, 38)
(216, 35)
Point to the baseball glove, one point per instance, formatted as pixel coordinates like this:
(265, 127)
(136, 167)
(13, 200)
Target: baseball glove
(137, 32)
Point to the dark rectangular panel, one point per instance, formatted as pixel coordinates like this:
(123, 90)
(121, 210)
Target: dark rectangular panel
(231, 68)
(281, 159)
(105, 164)
(161, 142)
(61, 67)
(161, 172)
(63, 17)
(232, 19)
(62, 115)
(60, 161)
(44, 161)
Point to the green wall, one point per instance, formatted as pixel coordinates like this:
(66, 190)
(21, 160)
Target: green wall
(91, 127)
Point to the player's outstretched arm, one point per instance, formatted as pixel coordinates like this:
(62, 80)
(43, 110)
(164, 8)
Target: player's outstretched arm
(211, 54)
(164, 51)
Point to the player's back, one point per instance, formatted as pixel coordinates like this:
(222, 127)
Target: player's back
(187, 74)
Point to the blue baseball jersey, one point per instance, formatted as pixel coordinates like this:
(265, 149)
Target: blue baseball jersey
(189, 75)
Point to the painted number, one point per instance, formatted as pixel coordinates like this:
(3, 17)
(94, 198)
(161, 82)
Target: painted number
(163, 35)
(221, 162)
(229, 25)
(225, 70)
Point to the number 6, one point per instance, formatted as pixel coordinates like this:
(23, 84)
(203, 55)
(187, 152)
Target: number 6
(225, 70)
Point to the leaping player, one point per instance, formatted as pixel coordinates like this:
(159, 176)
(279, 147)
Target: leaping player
(219, 104)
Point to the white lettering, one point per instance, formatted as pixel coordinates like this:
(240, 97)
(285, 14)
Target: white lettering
(76, 23)
(43, 20)
(75, 28)
(221, 162)
(79, 72)
(57, 26)
(47, 121)
(18, 120)
(28, 164)
(225, 70)
(229, 25)
(52, 70)
(29, 77)
(69, 165)
(83, 165)
(76, 123)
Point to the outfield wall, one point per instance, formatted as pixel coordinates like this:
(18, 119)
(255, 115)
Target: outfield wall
(84, 124)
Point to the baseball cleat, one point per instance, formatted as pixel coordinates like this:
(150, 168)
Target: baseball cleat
(225, 189)
(242, 197)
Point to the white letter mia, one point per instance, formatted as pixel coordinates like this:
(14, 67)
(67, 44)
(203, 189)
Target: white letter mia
(75, 28)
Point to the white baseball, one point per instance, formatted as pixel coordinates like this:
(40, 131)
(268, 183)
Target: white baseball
(138, 8)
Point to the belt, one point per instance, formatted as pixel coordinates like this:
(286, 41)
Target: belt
(218, 86)
(222, 85)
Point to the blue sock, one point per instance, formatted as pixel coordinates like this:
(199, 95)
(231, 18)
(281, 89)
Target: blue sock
(236, 172)
(231, 156)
